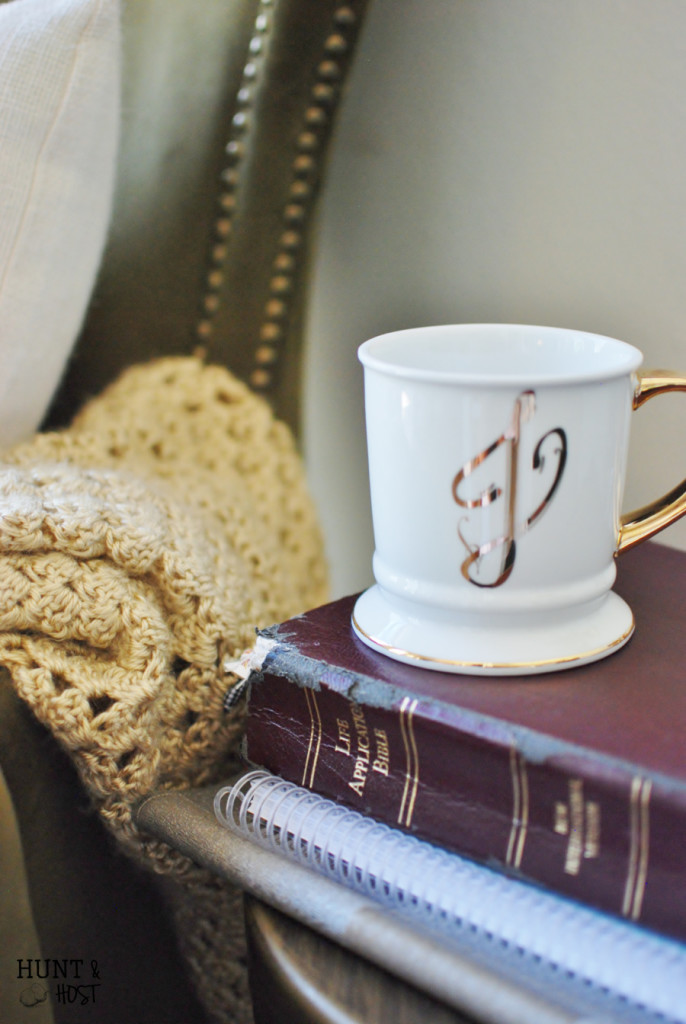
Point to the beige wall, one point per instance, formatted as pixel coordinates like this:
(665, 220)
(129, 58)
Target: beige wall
(501, 160)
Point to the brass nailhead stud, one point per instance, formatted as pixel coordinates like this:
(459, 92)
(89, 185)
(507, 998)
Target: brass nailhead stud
(270, 332)
(345, 16)
(280, 284)
(304, 164)
(301, 190)
(336, 43)
(322, 92)
(284, 262)
(315, 116)
(275, 308)
(260, 379)
(291, 239)
(329, 69)
(294, 213)
(307, 141)
(235, 150)
(230, 177)
(265, 354)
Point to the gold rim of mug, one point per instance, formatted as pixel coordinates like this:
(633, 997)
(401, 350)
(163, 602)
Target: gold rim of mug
(567, 660)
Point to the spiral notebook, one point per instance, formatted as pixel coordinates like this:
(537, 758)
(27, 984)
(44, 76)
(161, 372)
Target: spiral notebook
(451, 895)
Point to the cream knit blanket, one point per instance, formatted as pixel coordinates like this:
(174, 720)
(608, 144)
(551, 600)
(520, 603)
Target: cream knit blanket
(139, 551)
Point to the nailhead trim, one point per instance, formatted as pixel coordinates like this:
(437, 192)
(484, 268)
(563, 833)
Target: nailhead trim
(231, 175)
(324, 95)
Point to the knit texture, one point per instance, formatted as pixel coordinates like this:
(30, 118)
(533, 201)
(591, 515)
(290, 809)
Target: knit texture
(140, 549)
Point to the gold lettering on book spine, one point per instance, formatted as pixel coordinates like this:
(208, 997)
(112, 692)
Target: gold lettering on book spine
(315, 742)
(592, 837)
(639, 850)
(520, 810)
(580, 820)
(575, 846)
(362, 752)
(407, 710)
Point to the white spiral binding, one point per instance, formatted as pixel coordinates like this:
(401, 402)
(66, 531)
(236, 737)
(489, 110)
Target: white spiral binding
(453, 894)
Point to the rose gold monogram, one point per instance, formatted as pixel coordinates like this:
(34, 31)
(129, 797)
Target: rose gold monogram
(523, 412)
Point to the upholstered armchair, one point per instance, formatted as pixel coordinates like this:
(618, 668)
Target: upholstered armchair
(178, 222)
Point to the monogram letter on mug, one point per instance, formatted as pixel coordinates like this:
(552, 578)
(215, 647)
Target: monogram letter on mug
(497, 458)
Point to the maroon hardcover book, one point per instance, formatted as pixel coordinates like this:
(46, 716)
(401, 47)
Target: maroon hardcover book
(575, 780)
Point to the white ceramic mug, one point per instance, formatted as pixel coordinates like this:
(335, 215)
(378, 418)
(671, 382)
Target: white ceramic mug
(497, 457)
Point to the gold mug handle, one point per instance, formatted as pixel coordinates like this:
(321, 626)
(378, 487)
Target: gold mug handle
(644, 522)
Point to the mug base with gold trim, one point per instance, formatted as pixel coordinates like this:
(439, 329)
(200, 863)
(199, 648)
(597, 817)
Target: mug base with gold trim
(495, 645)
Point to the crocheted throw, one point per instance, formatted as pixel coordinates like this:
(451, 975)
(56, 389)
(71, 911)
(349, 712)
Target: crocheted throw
(139, 551)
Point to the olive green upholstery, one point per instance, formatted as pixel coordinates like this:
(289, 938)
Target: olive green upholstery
(228, 114)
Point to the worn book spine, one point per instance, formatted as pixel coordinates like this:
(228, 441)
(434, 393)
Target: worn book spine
(585, 825)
